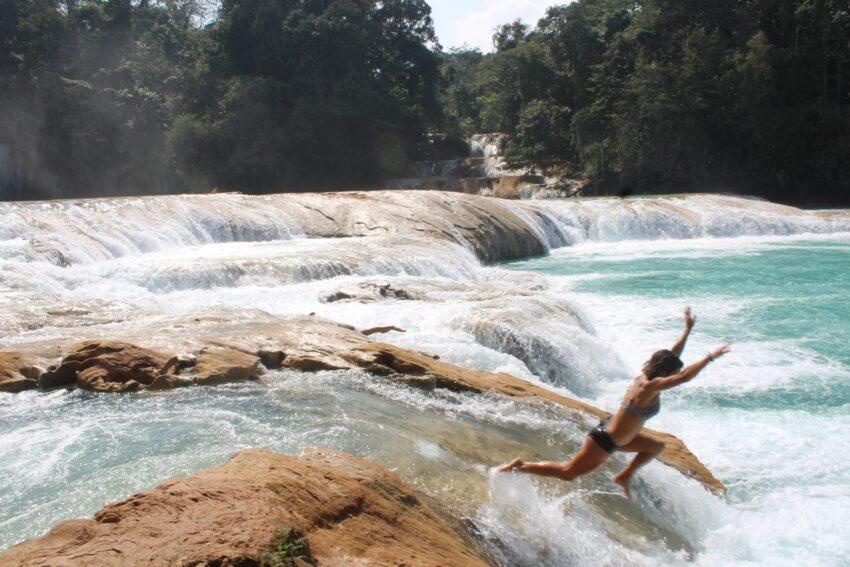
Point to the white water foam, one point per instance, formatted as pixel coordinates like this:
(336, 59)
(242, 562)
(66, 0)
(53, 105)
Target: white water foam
(74, 232)
(784, 465)
(531, 524)
(685, 217)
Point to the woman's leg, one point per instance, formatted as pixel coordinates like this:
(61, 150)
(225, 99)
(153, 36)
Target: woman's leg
(647, 448)
(588, 458)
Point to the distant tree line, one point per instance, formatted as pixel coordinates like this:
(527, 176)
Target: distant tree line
(112, 97)
(671, 95)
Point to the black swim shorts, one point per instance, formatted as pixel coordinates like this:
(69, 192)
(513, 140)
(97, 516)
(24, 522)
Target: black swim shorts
(600, 435)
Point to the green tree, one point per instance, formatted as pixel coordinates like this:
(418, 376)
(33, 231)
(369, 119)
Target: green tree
(676, 95)
(460, 91)
(88, 96)
(317, 93)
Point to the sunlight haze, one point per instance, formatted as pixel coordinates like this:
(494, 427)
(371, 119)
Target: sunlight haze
(473, 23)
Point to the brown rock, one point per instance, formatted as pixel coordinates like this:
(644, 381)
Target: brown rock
(349, 511)
(312, 363)
(64, 374)
(490, 227)
(18, 372)
(222, 366)
(271, 359)
(382, 330)
(368, 292)
(338, 295)
(509, 187)
(108, 366)
(300, 342)
(114, 366)
(102, 379)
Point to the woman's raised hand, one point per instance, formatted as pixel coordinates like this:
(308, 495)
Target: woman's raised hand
(720, 351)
(690, 319)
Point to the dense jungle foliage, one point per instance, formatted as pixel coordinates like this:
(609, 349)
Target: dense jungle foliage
(106, 97)
(669, 95)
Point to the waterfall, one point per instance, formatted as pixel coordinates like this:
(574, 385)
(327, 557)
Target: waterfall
(685, 217)
(85, 231)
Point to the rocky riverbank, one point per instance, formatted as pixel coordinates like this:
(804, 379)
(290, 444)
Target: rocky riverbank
(220, 351)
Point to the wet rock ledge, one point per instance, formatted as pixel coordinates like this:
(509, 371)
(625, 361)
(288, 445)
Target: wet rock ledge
(209, 350)
(322, 507)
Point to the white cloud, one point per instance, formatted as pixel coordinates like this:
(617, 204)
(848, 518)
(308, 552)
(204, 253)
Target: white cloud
(473, 23)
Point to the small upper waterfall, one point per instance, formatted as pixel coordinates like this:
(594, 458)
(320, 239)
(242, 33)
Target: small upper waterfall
(483, 170)
(487, 145)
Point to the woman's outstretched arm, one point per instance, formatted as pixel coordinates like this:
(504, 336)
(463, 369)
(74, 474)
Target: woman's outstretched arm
(679, 346)
(689, 372)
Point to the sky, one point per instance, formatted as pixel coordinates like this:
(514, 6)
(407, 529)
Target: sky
(472, 22)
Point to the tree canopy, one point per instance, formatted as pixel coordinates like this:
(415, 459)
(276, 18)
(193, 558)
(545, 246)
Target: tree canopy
(111, 97)
(106, 97)
(671, 95)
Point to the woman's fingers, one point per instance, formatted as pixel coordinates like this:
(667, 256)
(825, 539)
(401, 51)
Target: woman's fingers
(721, 350)
(515, 464)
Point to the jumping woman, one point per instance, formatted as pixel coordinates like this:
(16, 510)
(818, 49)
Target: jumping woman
(623, 431)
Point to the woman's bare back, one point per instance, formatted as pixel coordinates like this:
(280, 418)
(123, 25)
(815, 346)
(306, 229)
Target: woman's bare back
(624, 424)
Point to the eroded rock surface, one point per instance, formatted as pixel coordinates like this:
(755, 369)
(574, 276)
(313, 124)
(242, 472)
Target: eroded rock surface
(349, 510)
(368, 292)
(492, 229)
(18, 372)
(118, 366)
(381, 330)
(107, 366)
(217, 365)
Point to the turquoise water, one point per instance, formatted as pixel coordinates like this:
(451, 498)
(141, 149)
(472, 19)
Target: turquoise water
(85, 449)
(796, 290)
(771, 419)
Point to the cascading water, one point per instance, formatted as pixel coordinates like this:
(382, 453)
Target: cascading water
(579, 321)
(771, 420)
(696, 216)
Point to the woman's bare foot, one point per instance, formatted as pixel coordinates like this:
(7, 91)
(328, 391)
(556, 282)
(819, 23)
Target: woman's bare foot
(623, 482)
(516, 463)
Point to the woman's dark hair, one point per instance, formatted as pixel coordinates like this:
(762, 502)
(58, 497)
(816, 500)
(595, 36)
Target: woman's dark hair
(662, 363)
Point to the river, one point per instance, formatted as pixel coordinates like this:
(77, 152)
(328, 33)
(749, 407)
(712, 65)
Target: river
(770, 419)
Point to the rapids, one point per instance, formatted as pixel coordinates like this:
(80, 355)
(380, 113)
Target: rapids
(578, 320)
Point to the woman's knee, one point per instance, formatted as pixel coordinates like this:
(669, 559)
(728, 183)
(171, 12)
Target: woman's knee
(567, 473)
(580, 466)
